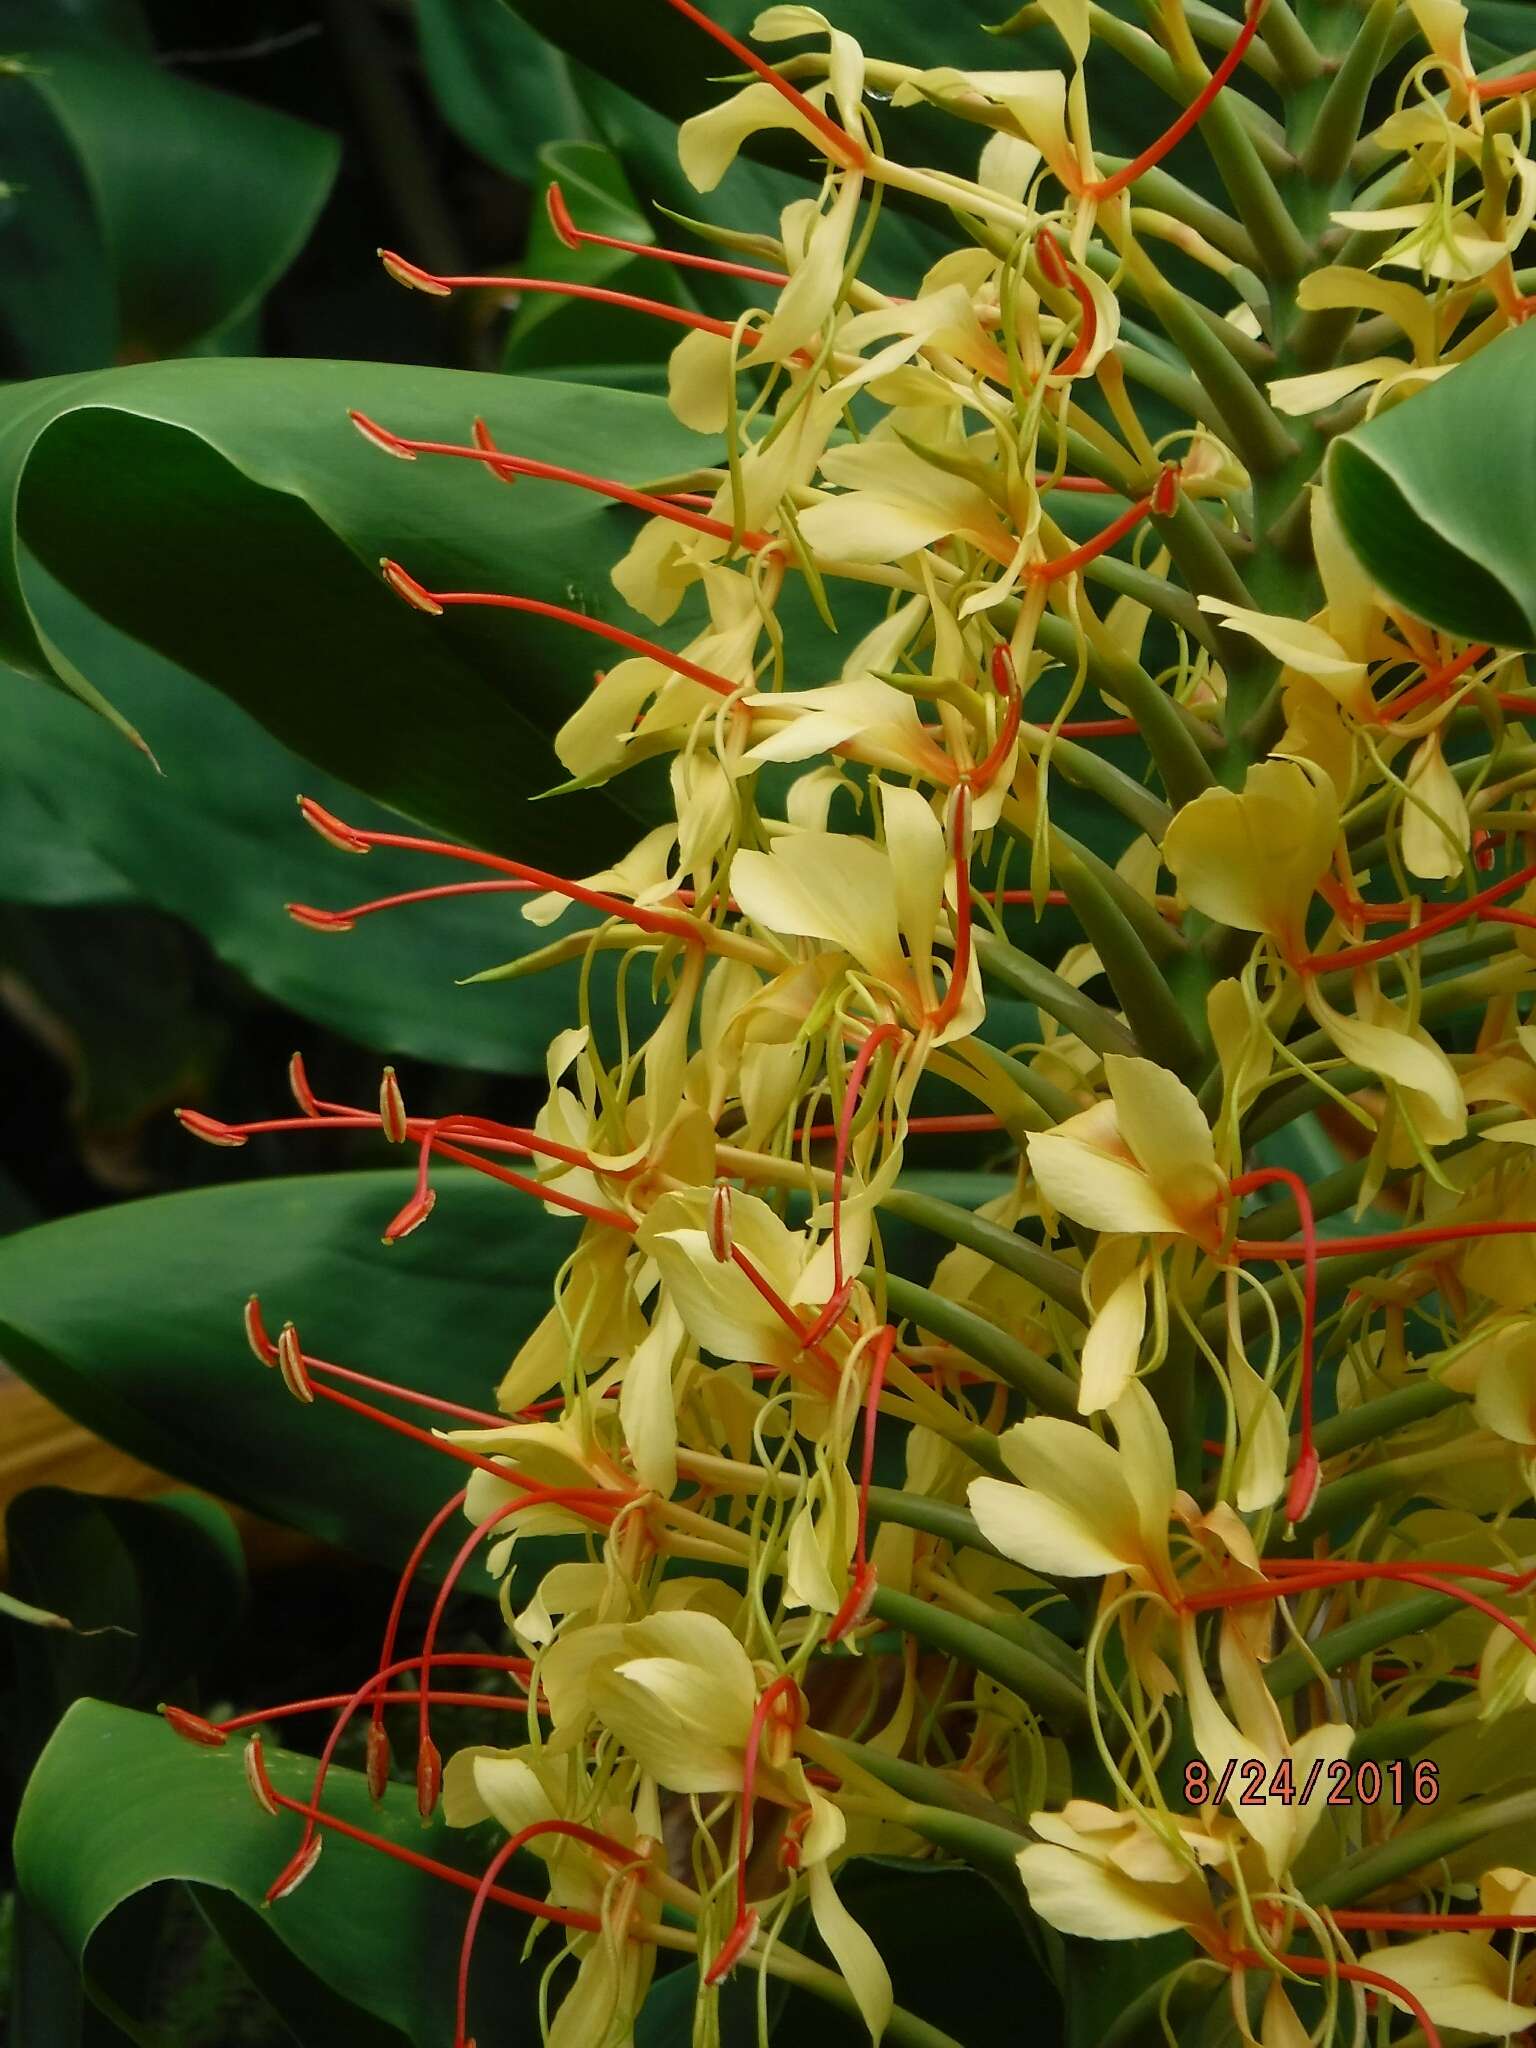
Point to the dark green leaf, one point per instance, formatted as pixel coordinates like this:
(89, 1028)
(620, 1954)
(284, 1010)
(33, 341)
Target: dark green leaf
(216, 838)
(130, 1319)
(234, 521)
(200, 200)
(119, 1803)
(1438, 495)
(501, 88)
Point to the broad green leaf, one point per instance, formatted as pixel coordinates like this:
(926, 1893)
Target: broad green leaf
(501, 88)
(113, 994)
(43, 860)
(118, 1803)
(217, 839)
(577, 337)
(200, 199)
(1438, 495)
(234, 522)
(130, 1319)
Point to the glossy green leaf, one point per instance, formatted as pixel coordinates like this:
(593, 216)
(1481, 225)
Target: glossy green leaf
(578, 338)
(501, 88)
(200, 200)
(234, 521)
(1438, 495)
(216, 838)
(118, 1803)
(130, 1319)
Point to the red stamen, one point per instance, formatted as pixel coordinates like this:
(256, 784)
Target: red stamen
(960, 968)
(1325, 1573)
(480, 1418)
(883, 1034)
(603, 1845)
(1438, 921)
(343, 920)
(1435, 684)
(208, 1128)
(1436, 1923)
(523, 465)
(543, 1909)
(256, 1334)
(1059, 273)
(1504, 88)
(423, 1198)
(1044, 481)
(1308, 1473)
(594, 1504)
(745, 1923)
(378, 1747)
(862, 1590)
(1383, 1241)
(1101, 543)
(330, 1702)
(1352, 1973)
(1106, 188)
(539, 878)
(986, 771)
(573, 237)
(786, 1316)
(290, 1363)
(500, 600)
(980, 1120)
(413, 276)
(840, 145)
(1097, 729)
(193, 1727)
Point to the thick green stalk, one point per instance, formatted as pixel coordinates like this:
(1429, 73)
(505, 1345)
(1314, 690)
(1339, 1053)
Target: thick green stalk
(1039, 1684)
(1290, 1671)
(1139, 983)
(1165, 726)
(940, 1518)
(1040, 985)
(1052, 1275)
(1336, 128)
(1161, 937)
(1388, 1412)
(1014, 1363)
(1420, 1848)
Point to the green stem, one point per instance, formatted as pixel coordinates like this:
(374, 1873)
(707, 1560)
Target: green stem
(941, 1518)
(1014, 1363)
(1005, 1248)
(1030, 1677)
(1416, 1848)
(1336, 130)
(1290, 1671)
(1038, 984)
(1136, 978)
(1381, 1417)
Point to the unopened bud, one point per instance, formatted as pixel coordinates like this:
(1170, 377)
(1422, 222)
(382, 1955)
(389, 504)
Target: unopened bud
(721, 1205)
(256, 1333)
(290, 1361)
(208, 1128)
(392, 1120)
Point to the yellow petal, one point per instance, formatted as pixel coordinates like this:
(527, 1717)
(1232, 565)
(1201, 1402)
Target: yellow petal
(1436, 831)
(1115, 1286)
(860, 1962)
(1091, 1899)
(1460, 1981)
(1252, 858)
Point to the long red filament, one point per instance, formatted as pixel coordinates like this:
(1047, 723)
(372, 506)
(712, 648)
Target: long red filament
(602, 1845)
(1304, 1480)
(378, 1748)
(413, 274)
(960, 968)
(1436, 922)
(786, 1315)
(883, 1034)
(496, 600)
(746, 1920)
(861, 1589)
(542, 1909)
(841, 146)
(1351, 1973)
(550, 472)
(1435, 684)
(1106, 188)
(1058, 272)
(1383, 1241)
(595, 1504)
(573, 237)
